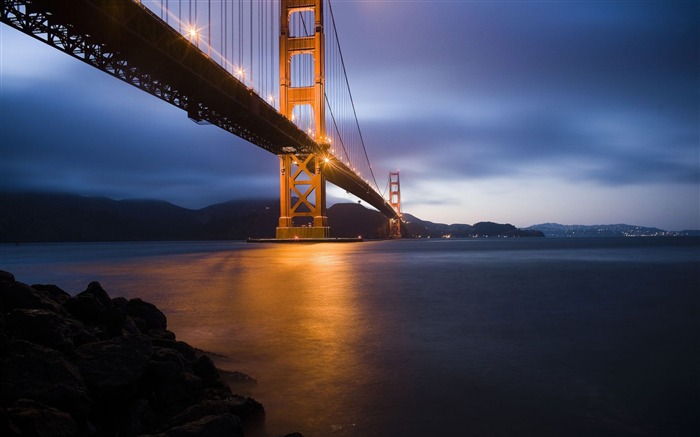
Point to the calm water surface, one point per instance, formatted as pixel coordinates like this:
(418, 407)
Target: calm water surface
(545, 337)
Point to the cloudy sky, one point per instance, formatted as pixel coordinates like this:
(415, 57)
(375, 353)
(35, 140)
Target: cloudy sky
(523, 112)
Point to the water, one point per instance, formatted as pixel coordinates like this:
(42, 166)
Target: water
(493, 337)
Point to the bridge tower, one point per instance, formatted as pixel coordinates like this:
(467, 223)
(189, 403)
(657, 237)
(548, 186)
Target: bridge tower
(302, 184)
(395, 202)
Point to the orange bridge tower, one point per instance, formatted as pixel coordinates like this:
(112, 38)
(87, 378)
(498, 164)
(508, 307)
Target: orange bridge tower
(302, 184)
(395, 202)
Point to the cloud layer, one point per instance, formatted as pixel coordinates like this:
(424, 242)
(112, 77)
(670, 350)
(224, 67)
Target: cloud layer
(518, 112)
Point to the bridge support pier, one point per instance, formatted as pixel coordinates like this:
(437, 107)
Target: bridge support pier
(395, 202)
(302, 198)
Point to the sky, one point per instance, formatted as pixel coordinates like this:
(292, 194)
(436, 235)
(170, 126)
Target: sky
(521, 112)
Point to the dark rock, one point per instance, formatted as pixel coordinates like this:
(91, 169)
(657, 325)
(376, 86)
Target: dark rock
(199, 410)
(45, 375)
(187, 351)
(35, 419)
(166, 363)
(18, 295)
(91, 305)
(209, 426)
(294, 434)
(129, 327)
(7, 429)
(172, 380)
(54, 292)
(6, 276)
(120, 303)
(113, 366)
(152, 317)
(161, 334)
(237, 377)
(43, 327)
(247, 409)
(204, 368)
(183, 390)
(138, 417)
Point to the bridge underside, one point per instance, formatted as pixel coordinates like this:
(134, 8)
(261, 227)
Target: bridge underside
(126, 40)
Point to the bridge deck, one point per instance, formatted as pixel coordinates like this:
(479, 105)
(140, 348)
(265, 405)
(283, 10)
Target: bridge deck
(126, 40)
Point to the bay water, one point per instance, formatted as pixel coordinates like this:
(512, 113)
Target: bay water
(479, 337)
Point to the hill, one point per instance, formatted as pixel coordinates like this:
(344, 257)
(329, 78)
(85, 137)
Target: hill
(42, 217)
(427, 229)
(617, 230)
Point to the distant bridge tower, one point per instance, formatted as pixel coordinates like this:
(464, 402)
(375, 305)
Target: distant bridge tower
(302, 184)
(395, 202)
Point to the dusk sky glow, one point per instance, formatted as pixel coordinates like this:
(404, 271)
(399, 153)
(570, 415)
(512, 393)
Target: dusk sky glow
(522, 112)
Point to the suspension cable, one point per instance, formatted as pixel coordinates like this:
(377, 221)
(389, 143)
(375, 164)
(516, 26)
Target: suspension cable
(342, 62)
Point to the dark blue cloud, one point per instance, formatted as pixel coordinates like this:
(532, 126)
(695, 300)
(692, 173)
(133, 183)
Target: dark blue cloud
(601, 96)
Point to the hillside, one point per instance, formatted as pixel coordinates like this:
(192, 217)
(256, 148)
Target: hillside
(427, 229)
(67, 217)
(33, 217)
(616, 230)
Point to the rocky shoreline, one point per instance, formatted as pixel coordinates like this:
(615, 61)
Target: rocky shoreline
(90, 365)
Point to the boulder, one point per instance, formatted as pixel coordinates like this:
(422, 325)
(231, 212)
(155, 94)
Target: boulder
(248, 411)
(18, 295)
(91, 305)
(54, 292)
(35, 419)
(210, 426)
(146, 315)
(115, 365)
(45, 375)
(187, 351)
(204, 368)
(6, 276)
(42, 327)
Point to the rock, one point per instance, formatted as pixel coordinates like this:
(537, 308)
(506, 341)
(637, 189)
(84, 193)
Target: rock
(92, 366)
(161, 334)
(91, 305)
(35, 419)
(54, 292)
(187, 351)
(149, 314)
(247, 409)
(113, 366)
(204, 368)
(294, 434)
(237, 377)
(18, 295)
(45, 375)
(42, 327)
(7, 428)
(210, 426)
(6, 276)
(138, 417)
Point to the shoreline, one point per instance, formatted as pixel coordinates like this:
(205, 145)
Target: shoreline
(92, 365)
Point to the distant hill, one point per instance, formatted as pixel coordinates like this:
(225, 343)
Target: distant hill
(426, 229)
(41, 217)
(618, 230)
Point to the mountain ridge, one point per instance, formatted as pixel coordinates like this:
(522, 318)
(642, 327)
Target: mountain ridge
(58, 217)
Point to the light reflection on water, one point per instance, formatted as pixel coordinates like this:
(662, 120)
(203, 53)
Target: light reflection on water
(425, 338)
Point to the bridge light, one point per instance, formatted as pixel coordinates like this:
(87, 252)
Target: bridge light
(326, 160)
(193, 33)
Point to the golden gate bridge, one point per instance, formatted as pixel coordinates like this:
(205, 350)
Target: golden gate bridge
(269, 71)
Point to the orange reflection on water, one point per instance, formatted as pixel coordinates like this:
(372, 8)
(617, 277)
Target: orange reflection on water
(288, 315)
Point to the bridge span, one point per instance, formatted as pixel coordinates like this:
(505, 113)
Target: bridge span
(131, 42)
